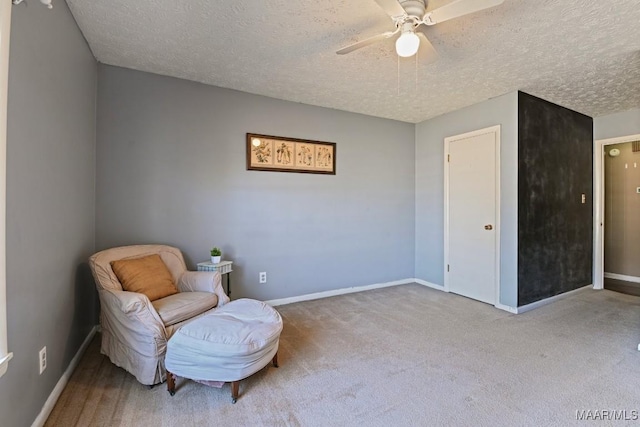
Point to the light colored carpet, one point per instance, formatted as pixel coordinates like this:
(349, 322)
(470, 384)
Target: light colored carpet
(406, 355)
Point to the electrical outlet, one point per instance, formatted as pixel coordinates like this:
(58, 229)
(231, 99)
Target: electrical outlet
(263, 277)
(42, 356)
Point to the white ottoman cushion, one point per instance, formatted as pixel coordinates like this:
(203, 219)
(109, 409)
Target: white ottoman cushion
(229, 344)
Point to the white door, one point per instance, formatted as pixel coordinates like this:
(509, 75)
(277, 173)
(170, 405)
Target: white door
(471, 214)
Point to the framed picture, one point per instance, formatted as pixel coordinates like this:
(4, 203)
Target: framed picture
(279, 154)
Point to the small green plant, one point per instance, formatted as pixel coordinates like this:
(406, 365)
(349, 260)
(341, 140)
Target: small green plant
(216, 252)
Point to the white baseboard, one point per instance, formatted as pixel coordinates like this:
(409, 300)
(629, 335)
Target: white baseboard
(529, 307)
(429, 284)
(508, 308)
(616, 276)
(62, 382)
(343, 291)
(513, 310)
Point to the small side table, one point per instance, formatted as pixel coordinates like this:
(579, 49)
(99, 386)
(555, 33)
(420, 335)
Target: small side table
(224, 267)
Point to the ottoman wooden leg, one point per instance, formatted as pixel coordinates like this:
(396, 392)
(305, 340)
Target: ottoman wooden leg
(171, 383)
(234, 391)
(275, 359)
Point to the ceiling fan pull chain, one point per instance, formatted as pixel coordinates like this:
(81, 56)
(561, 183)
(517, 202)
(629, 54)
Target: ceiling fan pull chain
(398, 74)
(416, 65)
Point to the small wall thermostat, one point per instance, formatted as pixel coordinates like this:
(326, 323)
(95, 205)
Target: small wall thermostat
(614, 152)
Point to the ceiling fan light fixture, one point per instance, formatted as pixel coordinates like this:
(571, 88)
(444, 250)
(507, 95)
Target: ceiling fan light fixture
(407, 44)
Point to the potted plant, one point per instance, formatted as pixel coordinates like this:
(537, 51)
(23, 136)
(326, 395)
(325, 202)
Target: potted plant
(216, 255)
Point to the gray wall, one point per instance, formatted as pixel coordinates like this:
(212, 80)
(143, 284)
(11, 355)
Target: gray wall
(615, 125)
(621, 207)
(171, 169)
(50, 203)
(429, 254)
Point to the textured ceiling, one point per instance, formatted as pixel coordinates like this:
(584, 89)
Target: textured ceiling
(582, 54)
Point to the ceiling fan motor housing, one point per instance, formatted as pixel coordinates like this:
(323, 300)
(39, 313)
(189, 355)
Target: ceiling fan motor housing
(415, 8)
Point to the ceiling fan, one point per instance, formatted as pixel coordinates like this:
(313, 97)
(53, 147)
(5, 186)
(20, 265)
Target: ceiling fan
(411, 21)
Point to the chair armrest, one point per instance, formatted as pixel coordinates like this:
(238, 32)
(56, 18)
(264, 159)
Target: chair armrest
(128, 302)
(131, 316)
(203, 281)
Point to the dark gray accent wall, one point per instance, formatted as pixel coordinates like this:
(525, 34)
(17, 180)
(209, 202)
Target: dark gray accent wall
(50, 203)
(555, 237)
(172, 169)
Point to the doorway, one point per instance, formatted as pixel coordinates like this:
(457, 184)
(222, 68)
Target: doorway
(617, 224)
(472, 211)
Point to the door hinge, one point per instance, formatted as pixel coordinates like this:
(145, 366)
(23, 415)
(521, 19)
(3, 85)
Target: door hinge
(447, 267)
(448, 157)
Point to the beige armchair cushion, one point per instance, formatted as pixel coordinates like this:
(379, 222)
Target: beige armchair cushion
(146, 275)
(185, 305)
(106, 279)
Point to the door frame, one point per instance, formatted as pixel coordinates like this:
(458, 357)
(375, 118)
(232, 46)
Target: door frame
(598, 205)
(5, 33)
(448, 140)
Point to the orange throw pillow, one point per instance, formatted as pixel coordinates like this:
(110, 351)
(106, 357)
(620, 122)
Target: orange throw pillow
(146, 275)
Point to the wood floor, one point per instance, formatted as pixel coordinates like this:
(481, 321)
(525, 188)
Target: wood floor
(629, 288)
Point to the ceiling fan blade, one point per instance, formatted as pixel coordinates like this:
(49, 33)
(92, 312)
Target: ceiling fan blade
(427, 52)
(458, 8)
(366, 42)
(392, 7)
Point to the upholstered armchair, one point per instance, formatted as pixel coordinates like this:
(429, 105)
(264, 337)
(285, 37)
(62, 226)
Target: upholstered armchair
(135, 327)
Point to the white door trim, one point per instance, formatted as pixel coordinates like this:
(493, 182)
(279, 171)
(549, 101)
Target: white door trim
(5, 32)
(495, 130)
(598, 205)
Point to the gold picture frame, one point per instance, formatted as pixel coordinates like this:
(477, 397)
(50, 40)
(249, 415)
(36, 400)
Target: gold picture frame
(280, 154)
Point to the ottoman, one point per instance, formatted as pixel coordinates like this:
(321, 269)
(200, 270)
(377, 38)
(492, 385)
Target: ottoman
(229, 344)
